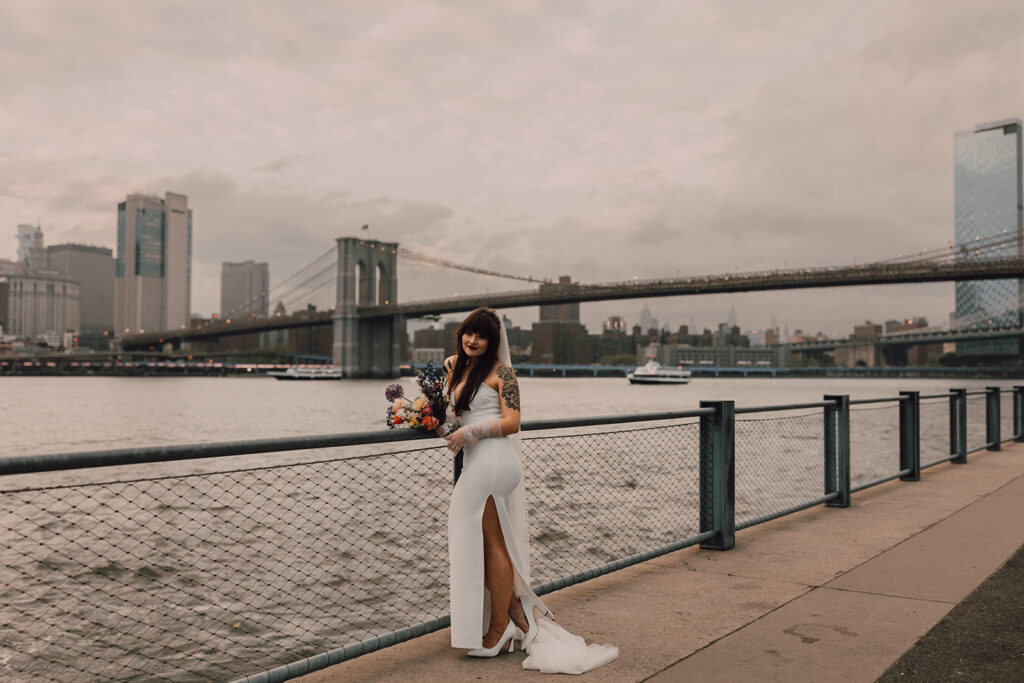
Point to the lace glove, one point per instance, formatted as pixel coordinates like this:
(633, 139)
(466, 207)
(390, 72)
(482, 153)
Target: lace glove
(451, 423)
(470, 434)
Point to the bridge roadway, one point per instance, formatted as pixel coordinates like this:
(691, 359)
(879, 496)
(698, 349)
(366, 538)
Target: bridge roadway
(826, 594)
(837, 276)
(912, 338)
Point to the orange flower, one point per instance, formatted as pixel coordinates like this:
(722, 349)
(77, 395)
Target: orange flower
(396, 420)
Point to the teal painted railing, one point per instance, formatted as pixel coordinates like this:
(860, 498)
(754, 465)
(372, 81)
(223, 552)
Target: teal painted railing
(292, 567)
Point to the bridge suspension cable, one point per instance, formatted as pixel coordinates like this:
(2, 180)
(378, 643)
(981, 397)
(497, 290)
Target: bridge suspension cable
(289, 294)
(963, 251)
(331, 270)
(444, 263)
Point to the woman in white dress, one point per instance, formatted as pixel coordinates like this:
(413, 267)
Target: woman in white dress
(492, 604)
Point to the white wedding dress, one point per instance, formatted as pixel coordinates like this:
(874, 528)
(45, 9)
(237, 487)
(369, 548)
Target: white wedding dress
(492, 467)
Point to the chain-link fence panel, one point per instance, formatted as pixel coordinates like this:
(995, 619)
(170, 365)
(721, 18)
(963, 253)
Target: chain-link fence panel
(874, 442)
(218, 575)
(935, 444)
(976, 437)
(602, 496)
(780, 462)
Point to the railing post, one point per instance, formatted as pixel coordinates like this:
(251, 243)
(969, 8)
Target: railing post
(837, 450)
(958, 425)
(718, 475)
(1018, 413)
(992, 418)
(910, 435)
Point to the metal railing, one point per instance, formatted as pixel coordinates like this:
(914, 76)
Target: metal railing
(285, 568)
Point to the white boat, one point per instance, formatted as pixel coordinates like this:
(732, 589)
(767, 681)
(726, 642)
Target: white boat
(307, 373)
(653, 373)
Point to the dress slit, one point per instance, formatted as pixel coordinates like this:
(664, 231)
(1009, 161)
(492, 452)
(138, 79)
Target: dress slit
(519, 586)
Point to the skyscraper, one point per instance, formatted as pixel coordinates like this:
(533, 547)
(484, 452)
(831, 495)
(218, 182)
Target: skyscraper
(153, 283)
(560, 312)
(243, 288)
(30, 247)
(93, 269)
(987, 199)
(647, 321)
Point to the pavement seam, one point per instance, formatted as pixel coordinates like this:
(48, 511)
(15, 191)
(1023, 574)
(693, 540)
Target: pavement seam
(726, 635)
(889, 595)
(921, 531)
(813, 588)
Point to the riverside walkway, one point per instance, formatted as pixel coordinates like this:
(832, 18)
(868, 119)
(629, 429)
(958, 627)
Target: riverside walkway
(826, 594)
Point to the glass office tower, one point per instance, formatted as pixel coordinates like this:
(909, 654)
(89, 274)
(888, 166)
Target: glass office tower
(988, 200)
(153, 281)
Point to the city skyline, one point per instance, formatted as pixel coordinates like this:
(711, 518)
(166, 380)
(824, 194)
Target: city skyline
(593, 141)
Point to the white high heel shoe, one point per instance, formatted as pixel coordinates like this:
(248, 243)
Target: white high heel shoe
(508, 635)
(528, 603)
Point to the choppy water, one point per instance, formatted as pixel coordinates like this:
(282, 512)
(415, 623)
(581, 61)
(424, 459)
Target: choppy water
(209, 570)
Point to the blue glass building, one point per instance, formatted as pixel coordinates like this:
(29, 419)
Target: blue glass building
(988, 203)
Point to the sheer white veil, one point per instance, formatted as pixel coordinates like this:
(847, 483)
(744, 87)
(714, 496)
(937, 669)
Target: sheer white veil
(504, 354)
(517, 499)
(555, 650)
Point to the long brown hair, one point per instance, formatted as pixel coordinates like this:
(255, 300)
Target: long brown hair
(484, 322)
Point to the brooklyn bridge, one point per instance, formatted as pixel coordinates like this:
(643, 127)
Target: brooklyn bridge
(366, 323)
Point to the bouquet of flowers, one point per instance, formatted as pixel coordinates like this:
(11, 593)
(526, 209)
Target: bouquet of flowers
(424, 412)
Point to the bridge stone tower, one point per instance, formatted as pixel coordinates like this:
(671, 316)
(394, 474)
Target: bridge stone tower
(367, 276)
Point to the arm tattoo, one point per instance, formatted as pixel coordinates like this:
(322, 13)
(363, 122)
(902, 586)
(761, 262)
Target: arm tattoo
(509, 386)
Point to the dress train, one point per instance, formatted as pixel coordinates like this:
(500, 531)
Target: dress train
(556, 651)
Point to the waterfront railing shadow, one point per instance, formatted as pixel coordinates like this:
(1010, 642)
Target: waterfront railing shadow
(266, 571)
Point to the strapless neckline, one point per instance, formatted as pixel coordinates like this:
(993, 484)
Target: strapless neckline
(484, 384)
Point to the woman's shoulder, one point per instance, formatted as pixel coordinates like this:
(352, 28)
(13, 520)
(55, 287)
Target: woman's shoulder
(503, 372)
(449, 362)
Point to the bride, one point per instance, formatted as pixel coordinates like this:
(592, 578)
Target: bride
(492, 604)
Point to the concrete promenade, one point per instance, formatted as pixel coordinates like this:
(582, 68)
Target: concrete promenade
(826, 594)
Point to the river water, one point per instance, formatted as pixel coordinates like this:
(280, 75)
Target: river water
(213, 569)
(63, 414)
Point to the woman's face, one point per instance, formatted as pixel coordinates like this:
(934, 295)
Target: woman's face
(474, 344)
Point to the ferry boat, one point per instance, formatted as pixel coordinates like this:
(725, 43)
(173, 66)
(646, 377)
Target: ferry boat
(653, 373)
(307, 373)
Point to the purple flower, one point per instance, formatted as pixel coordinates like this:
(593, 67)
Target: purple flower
(394, 391)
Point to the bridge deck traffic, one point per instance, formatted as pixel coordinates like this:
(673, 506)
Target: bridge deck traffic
(823, 595)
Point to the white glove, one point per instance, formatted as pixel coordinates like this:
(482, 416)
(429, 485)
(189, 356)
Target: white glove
(451, 423)
(469, 434)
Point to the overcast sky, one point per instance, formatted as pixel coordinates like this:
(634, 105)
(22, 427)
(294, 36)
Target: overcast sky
(600, 140)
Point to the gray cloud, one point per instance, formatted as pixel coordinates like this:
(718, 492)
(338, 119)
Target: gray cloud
(599, 140)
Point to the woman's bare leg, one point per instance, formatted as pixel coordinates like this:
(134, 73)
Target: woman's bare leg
(517, 614)
(498, 574)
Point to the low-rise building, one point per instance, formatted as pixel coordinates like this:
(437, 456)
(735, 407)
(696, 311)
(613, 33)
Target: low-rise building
(38, 302)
